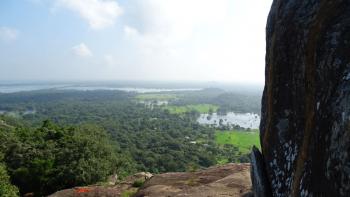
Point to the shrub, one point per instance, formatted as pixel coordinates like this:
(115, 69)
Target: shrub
(138, 183)
(6, 188)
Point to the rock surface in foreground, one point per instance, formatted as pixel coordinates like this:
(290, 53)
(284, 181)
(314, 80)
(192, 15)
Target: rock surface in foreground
(227, 180)
(124, 188)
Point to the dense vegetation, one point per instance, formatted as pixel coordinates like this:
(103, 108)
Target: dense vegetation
(227, 101)
(219, 100)
(6, 188)
(49, 158)
(58, 139)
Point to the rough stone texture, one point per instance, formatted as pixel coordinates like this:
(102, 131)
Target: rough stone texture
(224, 181)
(261, 186)
(305, 128)
(106, 190)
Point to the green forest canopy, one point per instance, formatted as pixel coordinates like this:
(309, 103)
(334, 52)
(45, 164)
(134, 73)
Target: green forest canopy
(81, 137)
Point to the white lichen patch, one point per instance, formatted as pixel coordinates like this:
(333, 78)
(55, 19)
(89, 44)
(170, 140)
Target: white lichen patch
(338, 162)
(304, 193)
(286, 112)
(334, 38)
(283, 175)
(347, 76)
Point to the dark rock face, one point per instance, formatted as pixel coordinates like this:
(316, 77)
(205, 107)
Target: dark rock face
(258, 175)
(305, 127)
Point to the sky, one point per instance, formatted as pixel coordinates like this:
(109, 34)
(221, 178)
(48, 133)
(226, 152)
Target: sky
(176, 40)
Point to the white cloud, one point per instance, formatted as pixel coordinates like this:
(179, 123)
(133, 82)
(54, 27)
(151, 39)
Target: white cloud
(177, 20)
(8, 34)
(223, 39)
(98, 13)
(130, 31)
(82, 50)
(169, 25)
(210, 40)
(110, 61)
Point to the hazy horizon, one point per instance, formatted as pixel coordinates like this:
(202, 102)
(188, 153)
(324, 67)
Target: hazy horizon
(18, 86)
(202, 41)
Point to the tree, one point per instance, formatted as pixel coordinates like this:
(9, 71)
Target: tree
(6, 188)
(210, 111)
(51, 158)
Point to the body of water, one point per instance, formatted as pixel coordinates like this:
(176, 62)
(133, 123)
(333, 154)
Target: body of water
(18, 113)
(11, 88)
(154, 102)
(21, 88)
(28, 112)
(129, 89)
(245, 120)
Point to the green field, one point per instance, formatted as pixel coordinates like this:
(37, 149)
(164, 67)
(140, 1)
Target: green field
(201, 108)
(160, 97)
(242, 139)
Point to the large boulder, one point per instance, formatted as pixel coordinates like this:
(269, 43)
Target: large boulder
(224, 181)
(112, 188)
(305, 127)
